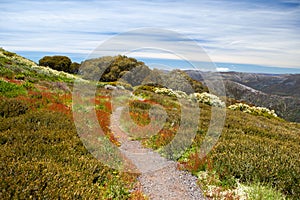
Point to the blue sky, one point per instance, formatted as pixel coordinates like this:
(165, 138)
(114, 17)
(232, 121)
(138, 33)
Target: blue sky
(257, 36)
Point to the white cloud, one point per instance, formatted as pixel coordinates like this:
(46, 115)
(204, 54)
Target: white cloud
(229, 31)
(222, 69)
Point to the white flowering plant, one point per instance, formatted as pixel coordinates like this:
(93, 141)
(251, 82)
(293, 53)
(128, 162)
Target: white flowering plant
(208, 99)
(180, 94)
(204, 97)
(165, 91)
(260, 111)
(171, 93)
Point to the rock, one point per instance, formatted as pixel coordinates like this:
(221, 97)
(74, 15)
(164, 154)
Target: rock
(110, 87)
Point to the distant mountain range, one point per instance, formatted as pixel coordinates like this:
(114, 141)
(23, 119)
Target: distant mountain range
(274, 91)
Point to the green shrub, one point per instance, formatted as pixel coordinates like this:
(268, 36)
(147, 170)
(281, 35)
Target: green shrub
(28, 85)
(258, 149)
(10, 90)
(20, 77)
(136, 105)
(7, 73)
(150, 88)
(257, 191)
(12, 108)
(43, 158)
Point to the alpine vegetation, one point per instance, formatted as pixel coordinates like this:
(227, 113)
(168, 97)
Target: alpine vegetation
(260, 111)
(208, 99)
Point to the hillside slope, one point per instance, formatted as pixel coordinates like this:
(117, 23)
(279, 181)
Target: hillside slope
(43, 157)
(13, 66)
(278, 92)
(251, 149)
(287, 107)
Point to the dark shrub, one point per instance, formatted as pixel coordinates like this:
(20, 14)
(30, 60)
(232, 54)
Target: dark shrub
(60, 63)
(12, 108)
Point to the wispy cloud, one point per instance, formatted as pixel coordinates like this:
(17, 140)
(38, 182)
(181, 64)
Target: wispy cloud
(253, 32)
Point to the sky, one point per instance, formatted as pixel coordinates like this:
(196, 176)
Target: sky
(237, 35)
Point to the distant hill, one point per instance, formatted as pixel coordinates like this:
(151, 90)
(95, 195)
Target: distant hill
(278, 92)
(287, 107)
(275, 84)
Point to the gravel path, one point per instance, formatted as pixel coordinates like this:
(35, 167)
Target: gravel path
(160, 179)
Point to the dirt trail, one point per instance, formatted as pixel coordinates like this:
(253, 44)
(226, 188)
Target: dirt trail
(160, 179)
